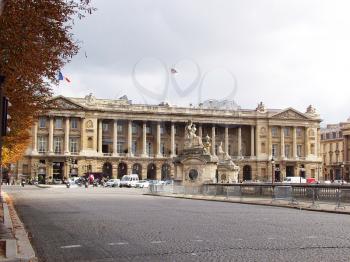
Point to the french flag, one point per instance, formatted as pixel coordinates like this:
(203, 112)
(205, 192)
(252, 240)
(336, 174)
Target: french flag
(61, 77)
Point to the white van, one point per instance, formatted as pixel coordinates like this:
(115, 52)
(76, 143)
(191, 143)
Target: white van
(294, 180)
(129, 180)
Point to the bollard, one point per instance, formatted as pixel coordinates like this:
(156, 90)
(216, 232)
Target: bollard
(314, 197)
(339, 205)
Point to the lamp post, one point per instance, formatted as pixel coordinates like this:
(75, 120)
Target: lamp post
(342, 173)
(273, 171)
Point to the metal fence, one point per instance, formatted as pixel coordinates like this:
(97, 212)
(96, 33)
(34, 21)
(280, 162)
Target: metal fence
(313, 195)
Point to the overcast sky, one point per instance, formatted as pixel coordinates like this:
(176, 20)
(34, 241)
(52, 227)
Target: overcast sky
(284, 53)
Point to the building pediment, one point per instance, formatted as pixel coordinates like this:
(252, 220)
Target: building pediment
(64, 103)
(290, 113)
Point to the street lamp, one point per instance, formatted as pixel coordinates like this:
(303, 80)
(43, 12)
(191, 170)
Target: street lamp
(273, 171)
(342, 173)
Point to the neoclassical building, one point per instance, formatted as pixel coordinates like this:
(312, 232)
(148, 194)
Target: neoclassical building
(335, 150)
(116, 137)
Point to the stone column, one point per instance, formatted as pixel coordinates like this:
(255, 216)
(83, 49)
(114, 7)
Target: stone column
(35, 138)
(66, 137)
(115, 137)
(82, 135)
(307, 146)
(130, 138)
(295, 148)
(172, 139)
(51, 135)
(282, 143)
(252, 141)
(345, 149)
(316, 142)
(144, 139)
(158, 140)
(200, 131)
(269, 146)
(257, 141)
(213, 140)
(226, 140)
(100, 136)
(239, 143)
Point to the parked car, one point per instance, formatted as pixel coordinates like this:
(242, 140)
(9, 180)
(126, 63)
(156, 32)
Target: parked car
(113, 183)
(142, 184)
(339, 182)
(129, 180)
(57, 181)
(294, 180)
(311, 180)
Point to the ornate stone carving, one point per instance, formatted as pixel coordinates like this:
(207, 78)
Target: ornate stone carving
(191, 139)
(90, 99)
(63, 104)
(311, 110)
(289, 114)
(261, 108)
(89, 124)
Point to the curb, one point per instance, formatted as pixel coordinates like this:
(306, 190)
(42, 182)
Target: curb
(20, 247)
(253, 203)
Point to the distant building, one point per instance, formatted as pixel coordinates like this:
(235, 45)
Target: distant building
(335, 151)
(115, 137)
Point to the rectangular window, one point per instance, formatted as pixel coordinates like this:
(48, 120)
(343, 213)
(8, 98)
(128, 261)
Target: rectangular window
(299, 150)
(134, 147)
(229, 150)
(162, 130)
(274, 131)
(105, 127)
(286, 131)
(134, 128)
(42, 144)
(148, 130)
(120, 147)
(73, 145)
(58, 145)
(58, 123)
(149, 149)
(42, 122)
(120, 128)
(162, 149)
(287, 151)
(274, 150)
(74, 123)
(299, 132)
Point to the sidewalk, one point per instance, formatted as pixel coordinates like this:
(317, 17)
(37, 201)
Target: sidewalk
(14, 241)
(328, 207)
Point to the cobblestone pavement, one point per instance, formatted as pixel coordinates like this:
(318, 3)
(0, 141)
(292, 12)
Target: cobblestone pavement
(113, 224)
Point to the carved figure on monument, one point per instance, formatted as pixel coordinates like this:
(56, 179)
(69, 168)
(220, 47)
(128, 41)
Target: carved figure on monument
(191, 139)
(207, 144)
(261, 108)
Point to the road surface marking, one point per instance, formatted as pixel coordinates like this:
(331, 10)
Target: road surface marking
(271, 238)
(311, 237)
(198, 240)
(71, 246)
(118, 244)
(157, 242)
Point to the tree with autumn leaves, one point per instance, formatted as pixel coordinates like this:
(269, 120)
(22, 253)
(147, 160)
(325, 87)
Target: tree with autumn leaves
(35, 42)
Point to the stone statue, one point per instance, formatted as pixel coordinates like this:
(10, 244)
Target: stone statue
(220, 150)
(207, 144)
(191, 139)
(261, 108)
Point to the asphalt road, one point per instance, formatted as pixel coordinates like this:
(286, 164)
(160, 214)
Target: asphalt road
(113, 224)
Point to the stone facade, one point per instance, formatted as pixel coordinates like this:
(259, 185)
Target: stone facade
(335, 150)
(116, 137)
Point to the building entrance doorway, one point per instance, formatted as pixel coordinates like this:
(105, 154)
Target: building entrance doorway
(57, 170)
(290, 171)
(122, 169)
(152, 172)
(107, 169)
(247, 173)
